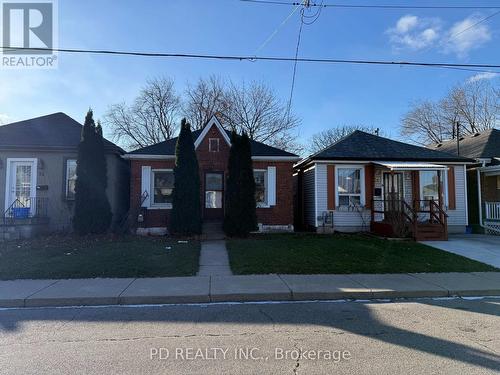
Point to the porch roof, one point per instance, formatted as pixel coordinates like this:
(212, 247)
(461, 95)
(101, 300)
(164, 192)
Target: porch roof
(410, 166)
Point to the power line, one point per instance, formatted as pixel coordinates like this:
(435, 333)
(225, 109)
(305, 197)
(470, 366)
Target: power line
(256, 58)
(295, 65)
(474, 25)
(276, 30)
(360, 6)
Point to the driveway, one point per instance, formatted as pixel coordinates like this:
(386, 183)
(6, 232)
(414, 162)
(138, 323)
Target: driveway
(480, 247)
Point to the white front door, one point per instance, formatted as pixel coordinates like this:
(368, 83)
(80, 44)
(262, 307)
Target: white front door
(21, 184)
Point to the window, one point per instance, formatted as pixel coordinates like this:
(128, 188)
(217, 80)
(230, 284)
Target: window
(429, 187)
(214, 186)
(163, 185)
(349, 186)
(70, 179)
(260, 187)
(213, 144)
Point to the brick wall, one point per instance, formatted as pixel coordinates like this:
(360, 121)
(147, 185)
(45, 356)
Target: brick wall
(280, 214)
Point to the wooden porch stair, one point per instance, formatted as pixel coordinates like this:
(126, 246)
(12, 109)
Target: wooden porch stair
(408, 218)
(429, 232)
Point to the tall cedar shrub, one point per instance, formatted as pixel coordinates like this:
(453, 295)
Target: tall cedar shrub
(92, 210)
(186, 207)
(240, 215)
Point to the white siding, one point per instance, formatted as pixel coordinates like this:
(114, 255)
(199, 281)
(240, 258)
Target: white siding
(309, 197)
(321, 191)
(459, 215)
(343, 221)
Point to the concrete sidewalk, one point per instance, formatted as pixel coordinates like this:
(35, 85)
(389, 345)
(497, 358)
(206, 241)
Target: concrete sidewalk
(205, 289)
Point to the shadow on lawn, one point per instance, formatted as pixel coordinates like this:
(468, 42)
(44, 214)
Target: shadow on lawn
(357, 318)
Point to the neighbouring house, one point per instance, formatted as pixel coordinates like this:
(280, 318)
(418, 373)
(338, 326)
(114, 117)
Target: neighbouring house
(152, 181)
(483, 176)
(365, 182)
(38, 174)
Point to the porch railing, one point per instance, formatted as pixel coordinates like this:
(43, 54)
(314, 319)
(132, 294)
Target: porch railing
(492, 210)
(23, 209)
(399, 213)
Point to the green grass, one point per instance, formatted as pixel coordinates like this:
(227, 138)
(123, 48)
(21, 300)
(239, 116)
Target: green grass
(324, 254)
(97, 256)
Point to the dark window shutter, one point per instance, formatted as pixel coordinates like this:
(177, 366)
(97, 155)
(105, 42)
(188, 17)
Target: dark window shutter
(330, 186)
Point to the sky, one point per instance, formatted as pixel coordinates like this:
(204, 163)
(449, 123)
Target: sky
(325, 95)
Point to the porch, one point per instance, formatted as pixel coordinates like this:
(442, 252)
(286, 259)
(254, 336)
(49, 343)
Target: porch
(492, 217)
(409, 199)
(23, 218)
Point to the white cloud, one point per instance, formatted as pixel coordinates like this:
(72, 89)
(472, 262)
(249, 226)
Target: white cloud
(414, 32)
(417, 33)
(464, 36)
(481, 76)
(406, 23)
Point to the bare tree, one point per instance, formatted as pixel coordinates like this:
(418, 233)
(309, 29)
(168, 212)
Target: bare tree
(206, 98)
(256, 110)
(476, 105)
(152, 117)
(427, 122)
(328, 137)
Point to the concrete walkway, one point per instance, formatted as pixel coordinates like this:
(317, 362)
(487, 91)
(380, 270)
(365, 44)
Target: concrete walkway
(205, 289)
(481, 247)
(214, 260)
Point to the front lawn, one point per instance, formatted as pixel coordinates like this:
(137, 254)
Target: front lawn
(97, 256)
(329, 254)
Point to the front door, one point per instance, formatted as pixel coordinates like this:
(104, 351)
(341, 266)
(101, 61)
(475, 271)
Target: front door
(393, 191)
(21, 187)
(214, 196)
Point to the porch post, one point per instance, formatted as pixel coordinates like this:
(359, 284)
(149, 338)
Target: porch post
(440, 190)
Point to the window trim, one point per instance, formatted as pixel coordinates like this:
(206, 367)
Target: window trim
(361, 183)
(264, 204)
(152, 204)
(66, 180)
(210, 144)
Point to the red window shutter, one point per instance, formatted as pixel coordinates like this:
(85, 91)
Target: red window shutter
(452, 200)
(369, 184)
(330, 186)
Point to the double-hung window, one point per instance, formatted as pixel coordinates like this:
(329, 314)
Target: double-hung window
(162, 185)
(429, 187)
(260, 177)
(349, 189)
(70, 179)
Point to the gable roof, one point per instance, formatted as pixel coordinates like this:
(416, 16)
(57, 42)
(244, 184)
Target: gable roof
(359, 146)
(167, 148)
(480, 145)
(54, 131)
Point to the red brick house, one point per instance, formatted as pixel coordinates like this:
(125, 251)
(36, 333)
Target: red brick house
(152, 180)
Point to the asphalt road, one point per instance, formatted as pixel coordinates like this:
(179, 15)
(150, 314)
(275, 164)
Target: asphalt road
(417, 337)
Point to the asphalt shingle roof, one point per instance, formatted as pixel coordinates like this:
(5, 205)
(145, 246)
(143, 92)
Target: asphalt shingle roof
(364, 146)
(55, 131)
(168, 148)
(481, 145)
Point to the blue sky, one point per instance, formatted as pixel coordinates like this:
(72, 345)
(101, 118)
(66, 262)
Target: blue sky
(325, 95)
